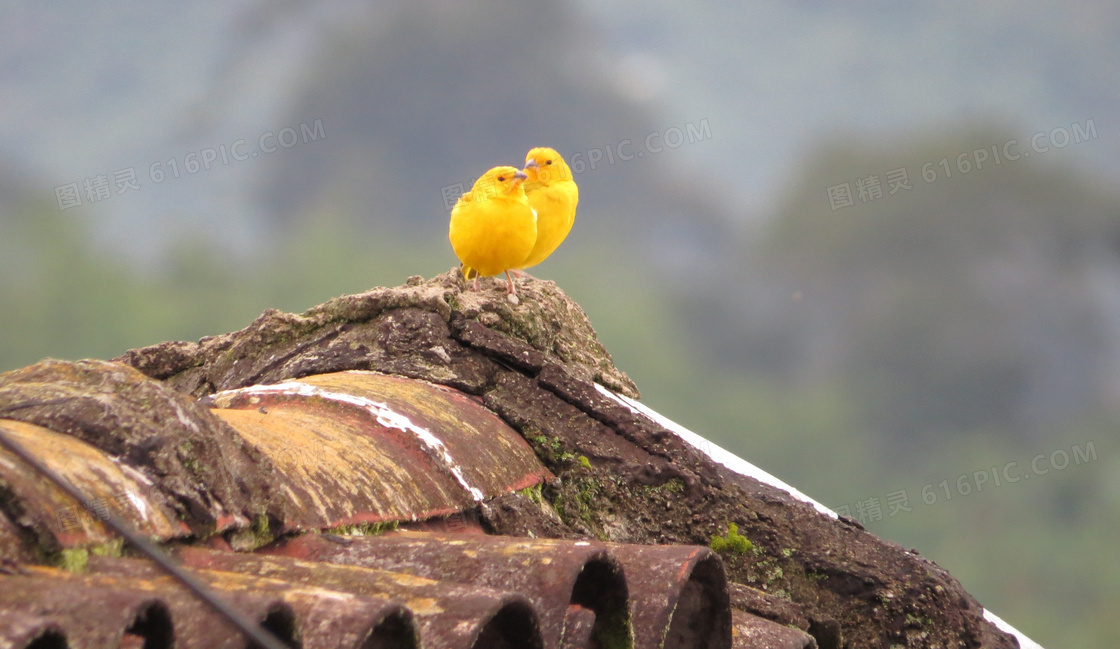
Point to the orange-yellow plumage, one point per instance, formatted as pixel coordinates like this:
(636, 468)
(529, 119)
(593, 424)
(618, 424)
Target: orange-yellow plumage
(553, 194)
(493, 229)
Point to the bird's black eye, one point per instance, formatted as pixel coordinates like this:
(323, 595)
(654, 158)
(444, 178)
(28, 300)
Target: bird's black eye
(501, 178)
(548, 163)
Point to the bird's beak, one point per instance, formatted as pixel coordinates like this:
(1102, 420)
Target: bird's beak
(518, 178)
(532, 167)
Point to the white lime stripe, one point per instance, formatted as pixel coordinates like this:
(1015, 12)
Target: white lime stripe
(741, 466)
(385, 416)
(721, 455)
(1024, 641)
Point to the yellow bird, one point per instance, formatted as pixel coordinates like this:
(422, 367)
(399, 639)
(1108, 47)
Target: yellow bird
(553, 194)
(493, 229)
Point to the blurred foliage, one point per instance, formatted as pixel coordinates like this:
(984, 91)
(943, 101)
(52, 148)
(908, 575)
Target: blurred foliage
(880, 348)
(986, 298)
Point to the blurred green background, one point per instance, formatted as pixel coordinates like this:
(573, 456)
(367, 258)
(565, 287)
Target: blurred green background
(920, 344)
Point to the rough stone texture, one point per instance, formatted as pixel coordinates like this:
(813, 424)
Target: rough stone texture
(771, 607)
(620, 476)
(204, 469)
(425, 329)
(15, 541)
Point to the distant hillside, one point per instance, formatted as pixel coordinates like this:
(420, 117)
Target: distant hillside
(984, 298)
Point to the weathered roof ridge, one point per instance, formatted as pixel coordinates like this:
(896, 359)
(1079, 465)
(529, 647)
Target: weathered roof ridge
(206, 473)
(403, 330)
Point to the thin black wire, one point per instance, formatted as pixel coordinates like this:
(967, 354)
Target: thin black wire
(250, 629)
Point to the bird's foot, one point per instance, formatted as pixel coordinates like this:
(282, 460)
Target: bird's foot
(511, 290)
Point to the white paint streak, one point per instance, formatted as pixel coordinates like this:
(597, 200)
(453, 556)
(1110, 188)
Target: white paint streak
(1024, 641)
(385, 416)
(721, 455)
(741, 466)
(139, 503)
(137, 476)
(184, 419)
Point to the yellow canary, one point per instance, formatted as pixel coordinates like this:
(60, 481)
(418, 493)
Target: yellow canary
(492, 227)
(553, 194)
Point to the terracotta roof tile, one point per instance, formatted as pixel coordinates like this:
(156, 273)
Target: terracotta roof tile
(553, 574)
(114, 485)
(447, 614)
(361, 447)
